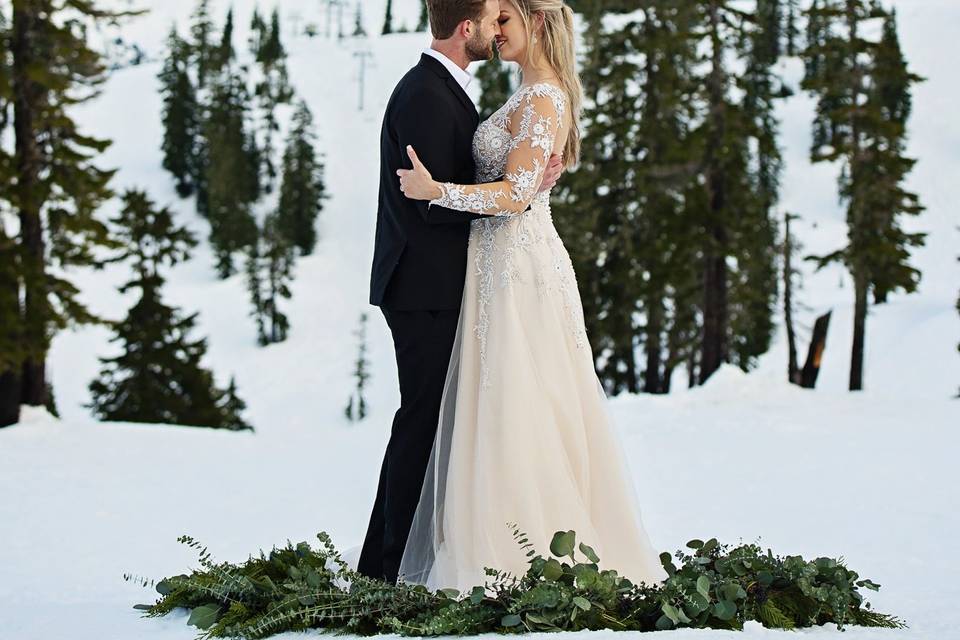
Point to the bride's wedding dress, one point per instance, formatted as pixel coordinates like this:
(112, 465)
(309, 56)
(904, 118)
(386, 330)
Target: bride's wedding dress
(524, 436)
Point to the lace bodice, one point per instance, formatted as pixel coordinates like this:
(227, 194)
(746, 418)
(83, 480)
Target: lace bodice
(515, 142)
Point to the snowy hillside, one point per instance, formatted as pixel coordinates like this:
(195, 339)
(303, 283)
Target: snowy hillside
(868, 476)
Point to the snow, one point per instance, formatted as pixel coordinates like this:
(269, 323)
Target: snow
(868, 476)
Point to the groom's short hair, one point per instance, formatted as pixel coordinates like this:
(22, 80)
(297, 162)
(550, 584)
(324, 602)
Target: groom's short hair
(445, 15)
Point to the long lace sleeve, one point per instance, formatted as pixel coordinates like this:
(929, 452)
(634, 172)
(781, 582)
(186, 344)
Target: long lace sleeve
(534, 125)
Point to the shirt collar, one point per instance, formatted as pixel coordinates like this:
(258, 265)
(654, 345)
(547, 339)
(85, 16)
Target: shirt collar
(462, 77)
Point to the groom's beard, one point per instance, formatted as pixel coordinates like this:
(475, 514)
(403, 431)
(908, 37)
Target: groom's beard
(478, 49)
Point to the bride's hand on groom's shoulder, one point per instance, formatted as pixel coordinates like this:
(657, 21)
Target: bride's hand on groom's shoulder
(552, 173)
(417, 183)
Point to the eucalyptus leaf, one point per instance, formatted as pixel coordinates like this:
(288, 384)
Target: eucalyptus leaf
(725, 610)
(671, 612)
(552, 570)
(589, 552)
(510, 620)
(204, 616)
(563, 544)
(703, 586)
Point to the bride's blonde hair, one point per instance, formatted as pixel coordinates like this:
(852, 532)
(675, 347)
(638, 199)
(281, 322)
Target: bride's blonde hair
(556, 44)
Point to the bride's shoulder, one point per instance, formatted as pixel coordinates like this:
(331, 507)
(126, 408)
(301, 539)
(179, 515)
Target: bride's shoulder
(544, 89)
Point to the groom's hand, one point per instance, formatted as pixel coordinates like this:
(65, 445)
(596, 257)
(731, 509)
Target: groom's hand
(552, 174)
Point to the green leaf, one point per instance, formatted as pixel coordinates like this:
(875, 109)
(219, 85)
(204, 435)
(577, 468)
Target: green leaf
(589, 552)
(450, 593)
(765, 578)
(563, 543)
(510, 620)
(703, 586)
(477, 594)
(539, 619)
(695, 543)
(729, 591)
(664, 623)
(552, 570)
(699, 601)
(671, 612)
(725, 610)
(582, 602)
(204, 616)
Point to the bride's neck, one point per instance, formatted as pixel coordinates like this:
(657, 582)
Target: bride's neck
(537, 70)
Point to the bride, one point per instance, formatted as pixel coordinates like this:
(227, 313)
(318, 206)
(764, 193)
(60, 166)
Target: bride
(524, 437)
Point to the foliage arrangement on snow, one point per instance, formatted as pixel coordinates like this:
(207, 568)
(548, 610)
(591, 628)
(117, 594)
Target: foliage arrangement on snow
(716, 586)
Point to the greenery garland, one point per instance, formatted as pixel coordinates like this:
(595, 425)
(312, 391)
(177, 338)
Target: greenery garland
(297, 588)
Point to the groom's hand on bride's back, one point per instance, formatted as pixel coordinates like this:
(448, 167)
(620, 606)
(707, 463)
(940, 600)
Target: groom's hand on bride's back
(552, 173)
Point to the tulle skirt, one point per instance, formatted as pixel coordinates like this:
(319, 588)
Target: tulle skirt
(524, 442)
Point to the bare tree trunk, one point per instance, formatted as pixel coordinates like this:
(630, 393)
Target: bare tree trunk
(10, 339)
(28, 98)
(859, 332)
(793, 369)
(652, 379)
(714, 347)
(811, 369)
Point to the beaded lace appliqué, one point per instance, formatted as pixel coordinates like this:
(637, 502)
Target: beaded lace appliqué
(500, 239)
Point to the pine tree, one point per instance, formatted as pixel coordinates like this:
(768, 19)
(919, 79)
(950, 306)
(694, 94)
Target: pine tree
(232, 408)
(224, 53)
(269, 271)
(496, 85)
(790, 248)
(180, 116)
(667, 234)
(273, 89)
(302, 190)
(424, 22)
(388, 19)
(12, 353)
(258, 34)
(232, 179)
(157, 377)
(725, 132)
(58, 189)
(358, 30)
(754, 281)
(201, 44)
(862, 88)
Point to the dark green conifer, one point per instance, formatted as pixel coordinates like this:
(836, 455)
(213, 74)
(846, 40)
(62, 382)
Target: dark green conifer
(202, 42)
(862, 89)
(157, 377)
(49, 68)
(269, 270)
(273, 89)
(388, 19)
(180, 116)
(302, 190)
(424, 21)
(232, 180)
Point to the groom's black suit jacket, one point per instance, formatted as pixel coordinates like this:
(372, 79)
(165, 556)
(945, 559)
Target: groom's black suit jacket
(420, 255)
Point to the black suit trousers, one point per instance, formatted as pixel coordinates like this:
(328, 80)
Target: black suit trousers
(423, 341)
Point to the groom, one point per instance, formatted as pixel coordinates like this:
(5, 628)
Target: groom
(420, 256)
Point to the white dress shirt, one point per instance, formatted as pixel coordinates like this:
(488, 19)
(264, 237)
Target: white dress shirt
(462, 76)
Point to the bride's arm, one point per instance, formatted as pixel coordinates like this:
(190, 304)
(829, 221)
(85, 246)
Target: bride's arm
(533, 129)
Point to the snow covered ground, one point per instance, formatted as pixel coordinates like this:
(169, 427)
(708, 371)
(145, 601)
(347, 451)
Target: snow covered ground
(869, 476)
